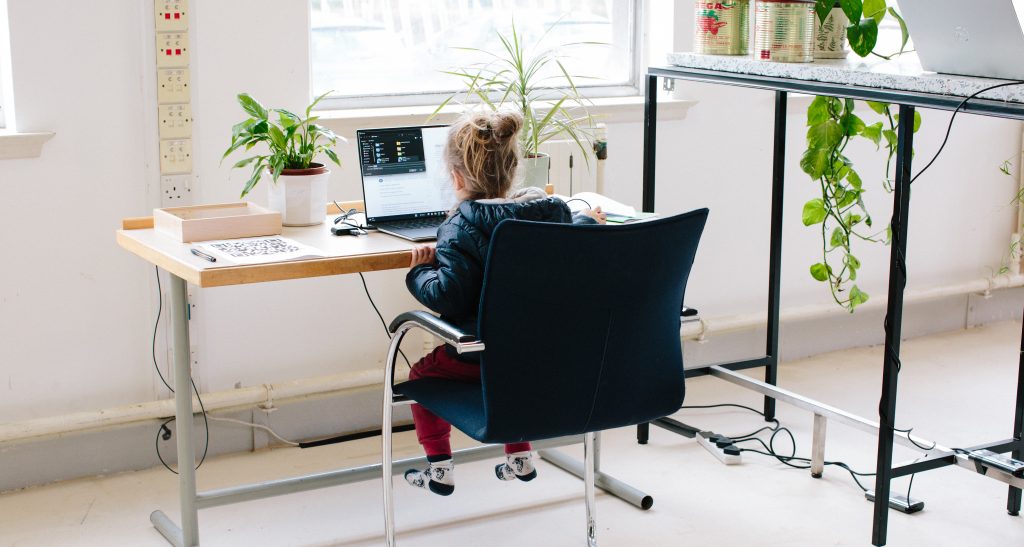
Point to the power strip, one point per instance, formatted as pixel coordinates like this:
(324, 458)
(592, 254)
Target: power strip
(983, 459)
(899, 502)
(728, 453)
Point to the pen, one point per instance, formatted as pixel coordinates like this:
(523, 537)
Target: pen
(203, 255)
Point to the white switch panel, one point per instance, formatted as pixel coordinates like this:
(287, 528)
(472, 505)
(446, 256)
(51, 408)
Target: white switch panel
(171, 15)
(175, 190)
(172, 85)
(175, 156)
(175, 121)
(171, 49)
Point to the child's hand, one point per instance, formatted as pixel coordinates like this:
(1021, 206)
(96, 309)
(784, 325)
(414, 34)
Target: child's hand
(422, 254)
(596, 214)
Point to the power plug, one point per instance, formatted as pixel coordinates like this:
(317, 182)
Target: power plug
(721, 447)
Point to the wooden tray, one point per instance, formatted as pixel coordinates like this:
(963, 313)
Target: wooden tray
(217, 221)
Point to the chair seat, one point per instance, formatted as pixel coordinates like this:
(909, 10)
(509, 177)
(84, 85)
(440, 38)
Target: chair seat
(458, 403)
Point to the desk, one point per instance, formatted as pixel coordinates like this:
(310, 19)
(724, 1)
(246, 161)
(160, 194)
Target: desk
(345, 255)
(902, 83)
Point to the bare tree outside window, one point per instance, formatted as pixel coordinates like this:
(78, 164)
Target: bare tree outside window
(377, 50)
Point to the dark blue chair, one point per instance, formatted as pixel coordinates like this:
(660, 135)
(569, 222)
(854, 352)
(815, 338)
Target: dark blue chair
(582, 322)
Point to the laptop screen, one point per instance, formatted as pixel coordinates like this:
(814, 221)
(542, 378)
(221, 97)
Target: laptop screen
(404, 173)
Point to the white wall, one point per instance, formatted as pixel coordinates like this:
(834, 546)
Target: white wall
(76, 311)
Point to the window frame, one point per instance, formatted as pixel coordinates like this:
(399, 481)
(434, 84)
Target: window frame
(6, 91)
(637, 39)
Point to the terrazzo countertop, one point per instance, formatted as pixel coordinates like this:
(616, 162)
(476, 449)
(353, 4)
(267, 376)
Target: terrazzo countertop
(903, 73)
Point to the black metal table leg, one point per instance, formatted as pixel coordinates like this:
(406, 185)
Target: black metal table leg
(1013, 498)
(893, 324)
(775, 250)
(650, 134)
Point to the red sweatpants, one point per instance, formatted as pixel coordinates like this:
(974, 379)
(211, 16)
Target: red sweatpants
(433, 432)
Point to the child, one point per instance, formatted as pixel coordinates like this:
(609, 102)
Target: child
(482, 154)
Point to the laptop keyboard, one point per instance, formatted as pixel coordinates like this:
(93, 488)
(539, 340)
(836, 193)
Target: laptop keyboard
(414, 223)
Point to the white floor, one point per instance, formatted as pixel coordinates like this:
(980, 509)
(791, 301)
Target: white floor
(956, 388)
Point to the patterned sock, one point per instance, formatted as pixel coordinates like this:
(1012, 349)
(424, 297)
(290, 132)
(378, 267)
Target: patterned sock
(439, 477)
(518, 465)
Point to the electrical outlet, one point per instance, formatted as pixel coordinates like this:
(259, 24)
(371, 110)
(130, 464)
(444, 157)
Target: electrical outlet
(171, 14)
(173, 85)
(175, 190)
(175, 121)
(175, 156)
(171, 49)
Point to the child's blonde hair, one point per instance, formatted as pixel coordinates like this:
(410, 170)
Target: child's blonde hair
(484, 148)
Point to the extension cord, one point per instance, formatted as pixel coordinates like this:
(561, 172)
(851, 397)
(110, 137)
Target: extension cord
(704, 438)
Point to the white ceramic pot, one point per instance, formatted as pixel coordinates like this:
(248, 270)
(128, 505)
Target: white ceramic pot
(830, 36)
(536, 171)
(300, 195)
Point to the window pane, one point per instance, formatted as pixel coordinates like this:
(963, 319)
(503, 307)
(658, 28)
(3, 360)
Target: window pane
(389, 47)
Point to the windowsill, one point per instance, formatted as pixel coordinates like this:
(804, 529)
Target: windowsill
(14, 145)
(607, 110)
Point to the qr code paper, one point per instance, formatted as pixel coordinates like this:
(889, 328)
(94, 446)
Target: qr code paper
(259, 250)
(255, 247)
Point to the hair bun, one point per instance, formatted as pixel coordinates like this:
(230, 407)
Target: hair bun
(505, 125)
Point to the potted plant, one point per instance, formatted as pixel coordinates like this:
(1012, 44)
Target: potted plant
(299, 191)
(551, 106)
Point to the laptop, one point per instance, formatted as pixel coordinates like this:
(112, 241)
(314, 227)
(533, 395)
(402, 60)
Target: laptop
(975, 38)
(407, 190)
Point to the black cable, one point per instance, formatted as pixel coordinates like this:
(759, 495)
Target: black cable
(748, 435)
(770, 445)
(156, 324)
(568, 201)
(164, 431)
(900, 258)
(949, 129)
(382, 322)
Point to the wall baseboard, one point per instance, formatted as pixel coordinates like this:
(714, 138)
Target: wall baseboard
(129, 448)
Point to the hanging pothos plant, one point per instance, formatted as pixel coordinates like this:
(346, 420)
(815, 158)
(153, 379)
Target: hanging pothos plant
(832, 124)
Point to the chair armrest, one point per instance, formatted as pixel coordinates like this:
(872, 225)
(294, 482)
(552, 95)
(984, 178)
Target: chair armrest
(462, 342)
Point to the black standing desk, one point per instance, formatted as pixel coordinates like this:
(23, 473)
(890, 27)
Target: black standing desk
(901, 83)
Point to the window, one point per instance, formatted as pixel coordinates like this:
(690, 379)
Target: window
(3, 111)
(392, 52)
(3, 62)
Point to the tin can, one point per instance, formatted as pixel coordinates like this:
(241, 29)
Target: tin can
(784, 31)
(830, 35)
(722, 28)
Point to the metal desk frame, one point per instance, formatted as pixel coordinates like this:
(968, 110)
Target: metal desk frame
(885, 428)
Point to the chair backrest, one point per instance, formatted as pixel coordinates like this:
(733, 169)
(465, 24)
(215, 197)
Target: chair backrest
(581, 325)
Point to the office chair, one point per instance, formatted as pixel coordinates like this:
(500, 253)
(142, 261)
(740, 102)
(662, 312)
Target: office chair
(580, 321)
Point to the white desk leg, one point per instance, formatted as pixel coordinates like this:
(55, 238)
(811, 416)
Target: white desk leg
(188, 534)
(183, 412)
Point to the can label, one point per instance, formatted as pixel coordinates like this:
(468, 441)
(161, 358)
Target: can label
(784, 31)
(722, 28)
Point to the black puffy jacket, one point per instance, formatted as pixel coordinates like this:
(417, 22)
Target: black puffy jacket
(451, 286)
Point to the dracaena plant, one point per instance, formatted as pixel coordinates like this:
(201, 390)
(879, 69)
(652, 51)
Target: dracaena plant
(292, 142)
(840, 212)
(515, 78)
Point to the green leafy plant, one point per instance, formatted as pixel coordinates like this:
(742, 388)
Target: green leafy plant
(292, 141)
(840, 211)
(515, 78)
(831, 125)
(864, 16)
